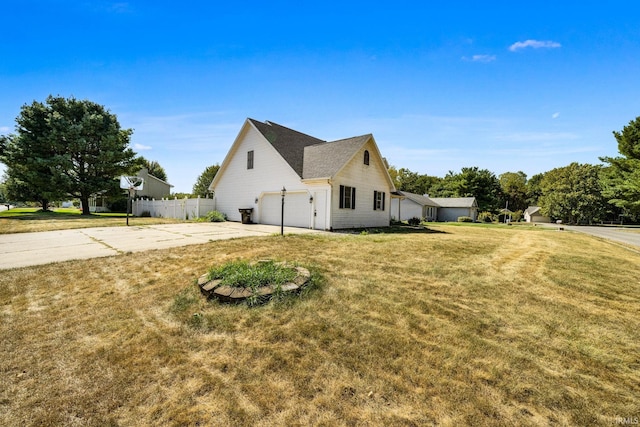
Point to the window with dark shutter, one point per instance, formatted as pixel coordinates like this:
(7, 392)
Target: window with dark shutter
(250, 159)
(366, 157)
(347, 197)
(378, 200)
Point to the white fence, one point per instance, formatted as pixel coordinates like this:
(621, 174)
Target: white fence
(173, 208)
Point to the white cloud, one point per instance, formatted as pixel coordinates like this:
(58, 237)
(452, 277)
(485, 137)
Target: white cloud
(4, 128)
(141, 147)
(535, 44)
(555, 115)
(480, 58)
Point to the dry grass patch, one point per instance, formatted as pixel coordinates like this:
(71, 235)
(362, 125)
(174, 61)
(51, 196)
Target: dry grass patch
(474, 326)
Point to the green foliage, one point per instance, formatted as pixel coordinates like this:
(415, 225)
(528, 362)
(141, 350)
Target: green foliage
(621, 180)
(486, 217)
(474, 182)
(465, 219)
(414, 221)
(201, 187)
(153, 168)
(66, 147)
(243, 274)
(573, 194)
(513, 187)
(215, 216)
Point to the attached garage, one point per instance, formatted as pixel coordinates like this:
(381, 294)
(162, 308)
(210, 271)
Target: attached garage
(297, 209)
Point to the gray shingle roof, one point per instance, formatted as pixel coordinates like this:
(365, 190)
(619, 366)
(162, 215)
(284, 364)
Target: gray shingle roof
(310, 157)
(326, 159)
(421, 200)
(455, 202)
(288, 142)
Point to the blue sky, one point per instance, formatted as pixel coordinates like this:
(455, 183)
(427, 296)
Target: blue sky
(501, 85)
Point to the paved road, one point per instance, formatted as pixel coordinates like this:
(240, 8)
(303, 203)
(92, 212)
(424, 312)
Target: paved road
(29, 249)
(630, 236)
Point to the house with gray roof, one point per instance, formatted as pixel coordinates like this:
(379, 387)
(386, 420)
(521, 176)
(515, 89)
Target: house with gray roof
(327, 185)
(533, 214)
(409, 205)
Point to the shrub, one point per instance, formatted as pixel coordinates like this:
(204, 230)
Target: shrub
(485, 217)
(216, 216)
(464, 219)
(414, 221)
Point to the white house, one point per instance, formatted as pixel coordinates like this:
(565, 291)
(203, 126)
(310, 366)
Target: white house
(329, 185)
(410, 205)
(533, 214)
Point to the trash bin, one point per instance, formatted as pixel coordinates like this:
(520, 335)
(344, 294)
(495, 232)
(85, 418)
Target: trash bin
(246, 215)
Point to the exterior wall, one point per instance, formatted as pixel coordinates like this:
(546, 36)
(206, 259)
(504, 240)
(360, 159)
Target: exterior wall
(452, 214)
(153, 187)
(239, 187)
(408, 209)
(537, 218)
(365, 179)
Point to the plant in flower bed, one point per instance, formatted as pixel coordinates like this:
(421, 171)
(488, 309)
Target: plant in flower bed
(251, 282)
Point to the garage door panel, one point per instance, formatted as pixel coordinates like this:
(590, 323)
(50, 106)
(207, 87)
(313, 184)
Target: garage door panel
(296, 209)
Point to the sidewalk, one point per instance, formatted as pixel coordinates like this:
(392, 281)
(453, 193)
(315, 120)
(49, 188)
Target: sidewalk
(30, 249)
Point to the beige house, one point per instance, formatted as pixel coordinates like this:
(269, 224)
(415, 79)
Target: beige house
(533, 214)
(153, 188)
(328, 185)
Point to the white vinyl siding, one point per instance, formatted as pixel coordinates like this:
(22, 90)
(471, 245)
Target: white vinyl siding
(367, 179)
(238, 187)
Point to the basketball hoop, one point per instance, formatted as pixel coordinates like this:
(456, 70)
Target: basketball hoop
(130, 183)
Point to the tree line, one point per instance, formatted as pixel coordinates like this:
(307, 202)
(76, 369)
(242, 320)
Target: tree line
(577, 193)
(65, 147)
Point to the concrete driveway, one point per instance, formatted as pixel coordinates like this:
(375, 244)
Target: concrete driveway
(29, 249)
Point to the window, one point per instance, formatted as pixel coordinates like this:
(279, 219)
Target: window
(366, 157)
(347, 197)
(378, 200)
(250, 159)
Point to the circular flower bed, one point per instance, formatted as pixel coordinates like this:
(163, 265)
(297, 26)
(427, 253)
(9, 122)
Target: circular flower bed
(252, 283)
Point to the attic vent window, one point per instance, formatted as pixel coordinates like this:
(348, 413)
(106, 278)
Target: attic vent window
(250, 159)
(366, 157)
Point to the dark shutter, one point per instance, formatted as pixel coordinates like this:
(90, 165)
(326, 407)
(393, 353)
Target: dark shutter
(383, 197)
(353, 198)
(341, 196)
(375, 199)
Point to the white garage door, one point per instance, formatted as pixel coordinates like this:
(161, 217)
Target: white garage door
(296, 209)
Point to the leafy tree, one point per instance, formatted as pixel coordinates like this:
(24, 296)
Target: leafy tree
(473, 182)
(513, 187)
(533, 189)
(153, 167)
(29, 175)
(201, 187)
(622, 178)
(67, 146)
(573, 194)
(413, 182)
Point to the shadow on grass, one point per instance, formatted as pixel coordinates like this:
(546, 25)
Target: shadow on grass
(393, 229)
(38, 214)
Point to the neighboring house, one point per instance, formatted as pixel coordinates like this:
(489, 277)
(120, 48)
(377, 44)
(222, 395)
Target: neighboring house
(451, 208)
(410, 205)
(533, 214)
(329, 185)
(153, 188)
